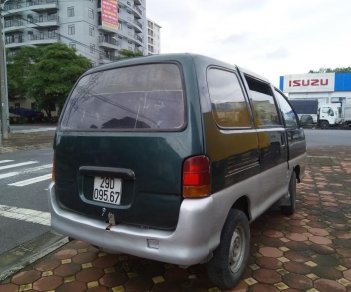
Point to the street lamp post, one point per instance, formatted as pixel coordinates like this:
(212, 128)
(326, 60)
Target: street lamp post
(3, 82)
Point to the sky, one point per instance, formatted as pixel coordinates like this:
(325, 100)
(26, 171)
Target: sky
(269, 37)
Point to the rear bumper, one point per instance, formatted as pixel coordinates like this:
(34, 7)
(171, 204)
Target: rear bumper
(196, 235)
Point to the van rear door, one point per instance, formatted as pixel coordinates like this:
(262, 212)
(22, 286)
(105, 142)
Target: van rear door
(121, 142)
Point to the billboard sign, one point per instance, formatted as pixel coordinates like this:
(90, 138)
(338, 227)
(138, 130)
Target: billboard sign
(109, 14)
(312, 82)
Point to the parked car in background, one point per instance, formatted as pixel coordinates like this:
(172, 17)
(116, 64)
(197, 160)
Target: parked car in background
(170, 157)
(19, 114)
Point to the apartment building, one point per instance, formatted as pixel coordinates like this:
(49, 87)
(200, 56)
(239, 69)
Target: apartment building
(78, 23)
(153, 37)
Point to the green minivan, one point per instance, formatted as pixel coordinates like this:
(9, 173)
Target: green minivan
(170, 157)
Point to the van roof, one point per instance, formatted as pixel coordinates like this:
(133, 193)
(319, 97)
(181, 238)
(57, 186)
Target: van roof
(180, 57)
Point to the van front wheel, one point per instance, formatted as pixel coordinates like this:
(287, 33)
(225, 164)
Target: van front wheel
(230, 258)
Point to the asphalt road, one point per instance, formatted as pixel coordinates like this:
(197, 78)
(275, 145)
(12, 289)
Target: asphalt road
(24, 179)
(327, 138)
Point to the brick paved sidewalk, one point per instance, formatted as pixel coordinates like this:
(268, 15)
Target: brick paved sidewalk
(310, 251)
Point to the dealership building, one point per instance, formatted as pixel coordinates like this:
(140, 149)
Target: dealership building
(324, 87)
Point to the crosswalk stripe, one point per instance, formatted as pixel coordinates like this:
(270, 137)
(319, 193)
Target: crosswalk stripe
(9, 174)
(31, 180)
(28, 215)
(25, 171)
(5, 161)
(17, 165)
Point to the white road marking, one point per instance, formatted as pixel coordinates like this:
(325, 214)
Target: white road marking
(17, 165)
(28, 215)
(31, 180)
(27, 170)
(5, 161)
(34, 130)
(9, 174)
(37, 168)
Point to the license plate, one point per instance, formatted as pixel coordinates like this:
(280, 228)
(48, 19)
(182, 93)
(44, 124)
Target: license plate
(107, 190)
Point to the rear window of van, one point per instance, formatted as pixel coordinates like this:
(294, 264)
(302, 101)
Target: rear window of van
(142, 97)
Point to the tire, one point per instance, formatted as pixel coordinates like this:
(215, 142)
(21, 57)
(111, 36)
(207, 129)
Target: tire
(229, 260)
(324, 124)
(291, 207)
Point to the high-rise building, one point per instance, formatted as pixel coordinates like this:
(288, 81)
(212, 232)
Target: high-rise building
(153, 37)
(89, 26)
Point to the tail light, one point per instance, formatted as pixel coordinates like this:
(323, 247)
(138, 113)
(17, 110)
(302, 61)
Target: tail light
(53, 174)
(196, 177)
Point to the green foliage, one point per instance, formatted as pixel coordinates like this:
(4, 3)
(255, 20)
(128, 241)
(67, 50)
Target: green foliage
(53, 75)
(19, 67)
(329, 70)
(125, 54)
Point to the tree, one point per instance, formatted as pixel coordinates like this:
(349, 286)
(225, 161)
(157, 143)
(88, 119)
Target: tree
(18, 69)
(125, 54)
(53, 76)
(329, 70)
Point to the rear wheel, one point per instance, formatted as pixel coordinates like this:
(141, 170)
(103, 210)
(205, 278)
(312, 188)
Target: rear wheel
(290, 208)
(230, 258)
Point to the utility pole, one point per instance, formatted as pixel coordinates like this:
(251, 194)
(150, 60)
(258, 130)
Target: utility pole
(3, 82)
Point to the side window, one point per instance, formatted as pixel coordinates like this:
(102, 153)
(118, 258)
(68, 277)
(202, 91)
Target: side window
(286, 111)
(229, 106)
(265, 110)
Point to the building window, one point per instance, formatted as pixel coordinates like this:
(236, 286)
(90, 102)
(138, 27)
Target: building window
(72, 45)
(91, 13)
(70, 11)
(91, 31)
(120, 27)
(92, 49)
(71, 29)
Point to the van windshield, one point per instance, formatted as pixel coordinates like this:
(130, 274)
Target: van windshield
(142, 97)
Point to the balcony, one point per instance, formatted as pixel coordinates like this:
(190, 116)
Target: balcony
(130, 21)
(138, 10)
(44, 21)
(14, 41)
(138, 23)
(108, 42)
(14, 25)
(130, 5)
(132, 37)
(107, 57)
(35, 5)
(38, 22)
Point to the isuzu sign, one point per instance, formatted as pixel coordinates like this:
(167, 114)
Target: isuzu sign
(313, 82)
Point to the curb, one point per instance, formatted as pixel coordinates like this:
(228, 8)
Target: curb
(27, 253)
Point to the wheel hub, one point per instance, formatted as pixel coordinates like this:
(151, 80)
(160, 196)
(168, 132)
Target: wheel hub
(236, 251)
